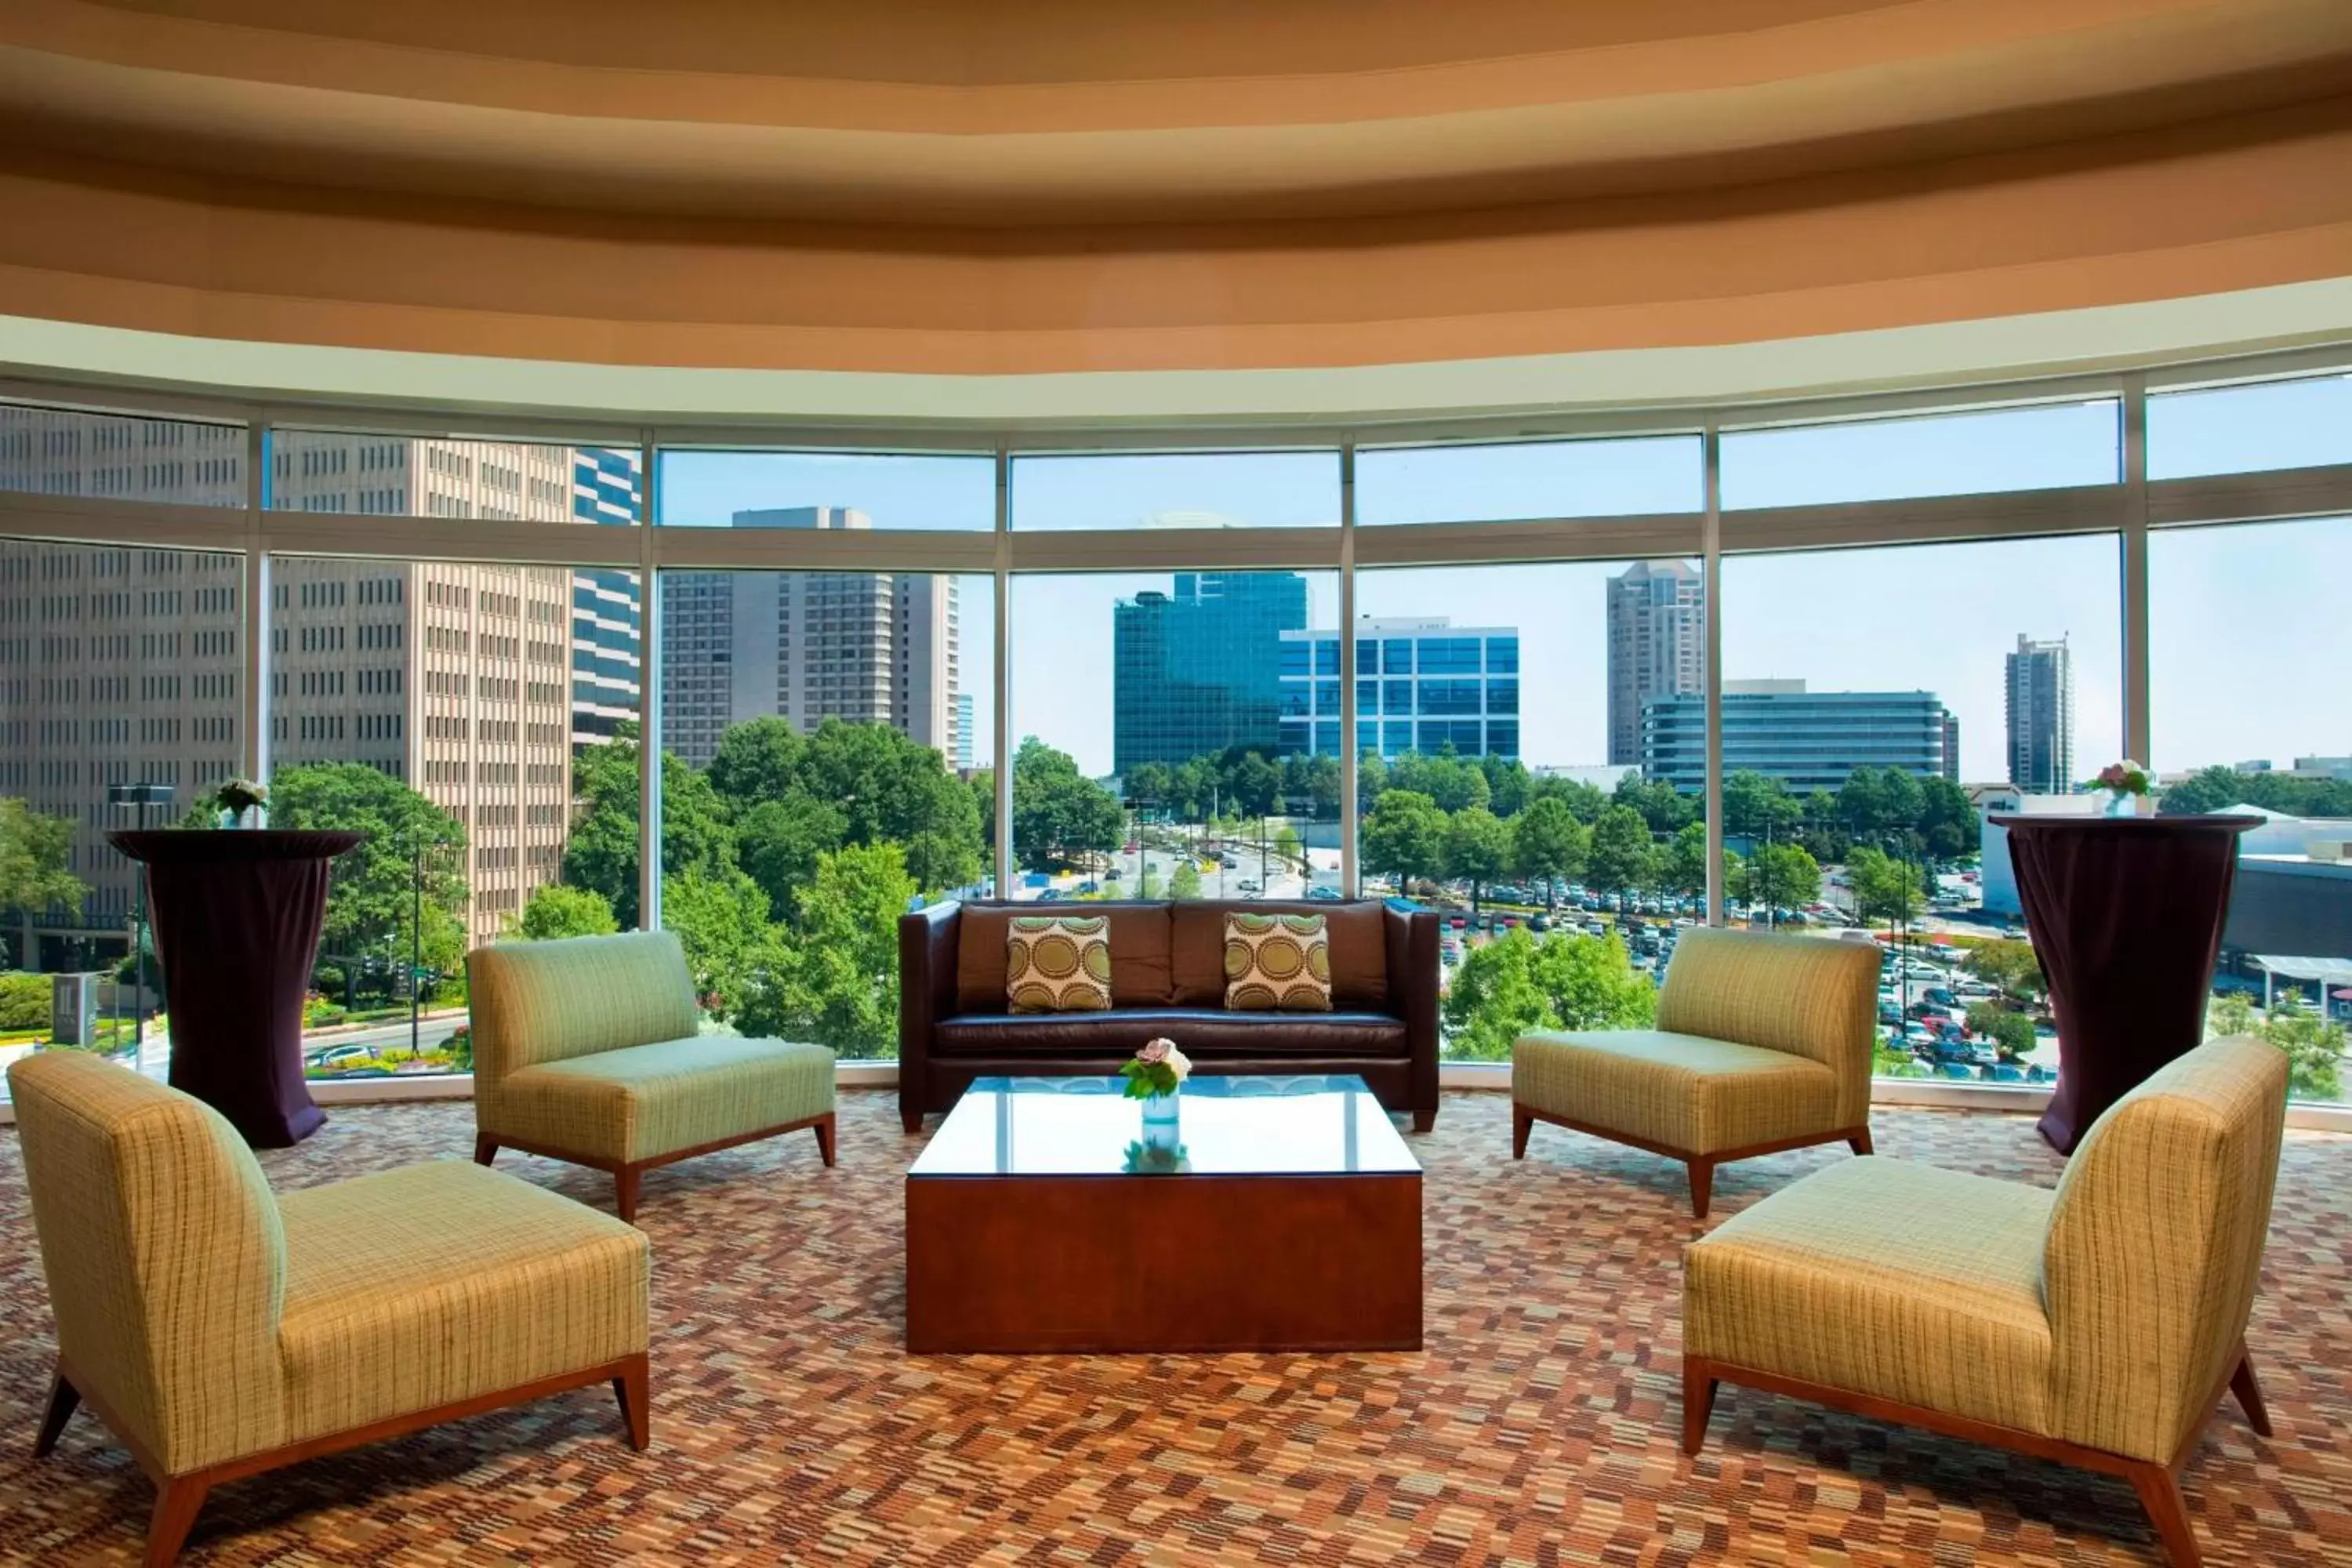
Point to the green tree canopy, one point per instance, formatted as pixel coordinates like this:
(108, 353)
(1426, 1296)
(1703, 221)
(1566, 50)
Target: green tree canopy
(405, 840)
(1518, 981)
(1619, 858)
(35, 861)
(1478, 849)
(1547, 841)
(1756, 805)
(834, 977)
(1059, 814)
(556, 912)
(1663, 808)
(757, 760)
(1682, 865)
(602, 853)
(1184, 882)
(1405, 836)
(721, 919)
(1947, 819)
(1778, 876)
(2219, 788)
(2008, 966)
(1885, 888)
(1447, 780)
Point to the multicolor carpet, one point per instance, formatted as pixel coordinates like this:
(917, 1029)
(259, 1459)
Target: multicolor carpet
(1538, 1427)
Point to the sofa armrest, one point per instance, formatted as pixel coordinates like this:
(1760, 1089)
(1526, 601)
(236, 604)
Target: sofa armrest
(1412, 996)
(926, 992)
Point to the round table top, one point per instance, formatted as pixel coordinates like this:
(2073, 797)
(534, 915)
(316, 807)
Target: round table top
(2212, 822)
(186, 846)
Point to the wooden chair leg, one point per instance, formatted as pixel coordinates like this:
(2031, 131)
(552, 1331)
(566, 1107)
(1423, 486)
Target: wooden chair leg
(625, 1191)
(2159, 1493)
(63, 1397)
(2250, 1394)
(1860, 1142)
(824, 1132)
(910, 1119)
(1523, 1121)
(1422, 1120)
(1698, 1402)
(1702, 1184)
(486, 1148)
(176, 1502)
(631, 1388)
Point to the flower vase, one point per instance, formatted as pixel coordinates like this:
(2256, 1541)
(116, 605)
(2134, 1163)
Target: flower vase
(1159, 1122)
(2123, 803)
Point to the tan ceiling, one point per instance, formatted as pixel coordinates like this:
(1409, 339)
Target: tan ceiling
(1083, 114)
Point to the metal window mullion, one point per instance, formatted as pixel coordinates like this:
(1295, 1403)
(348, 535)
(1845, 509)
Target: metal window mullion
(1349, 745)
(1711, 581)
(254, 704)
(2137, 743)
(650, 706)
(1002, 780)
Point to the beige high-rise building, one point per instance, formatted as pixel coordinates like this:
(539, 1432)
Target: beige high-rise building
(124, 666)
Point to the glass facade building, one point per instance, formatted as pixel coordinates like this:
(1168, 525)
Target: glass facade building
(1421, 685)
(1805, 740)
(1194, 671)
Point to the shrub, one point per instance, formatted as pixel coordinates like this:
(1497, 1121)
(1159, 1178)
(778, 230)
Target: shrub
(24, 1001)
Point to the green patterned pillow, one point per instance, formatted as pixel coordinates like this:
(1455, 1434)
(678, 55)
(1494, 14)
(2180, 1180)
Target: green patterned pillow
(1277, 964)
(1057, 964)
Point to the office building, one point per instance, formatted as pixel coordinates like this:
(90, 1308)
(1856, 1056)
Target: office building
(966, 746)
(607, 615)
(872, 648)
(1807, 740)
(1658, 645)
(2039, 696)
(1422, 684)
(1198, 668)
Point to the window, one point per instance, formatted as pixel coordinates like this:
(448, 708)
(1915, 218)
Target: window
(1876, 705)
(120, 456)
(1502, 482)
(452, 477)
(1949, 454)
(2243, 430)
(1171, 743)
(1183, 489)
(2251, 674)
(827, 489)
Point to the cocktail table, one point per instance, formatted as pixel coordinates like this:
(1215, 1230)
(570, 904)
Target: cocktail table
(1039, 1219)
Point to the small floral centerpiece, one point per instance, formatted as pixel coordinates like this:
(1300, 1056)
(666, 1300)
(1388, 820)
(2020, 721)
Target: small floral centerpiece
(2126, 784)
(243, 803)
(1158, 1070)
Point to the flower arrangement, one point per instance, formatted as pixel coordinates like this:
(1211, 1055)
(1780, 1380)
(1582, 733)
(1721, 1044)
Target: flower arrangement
(2126, 777)
(1158, 1069)
(241, 795)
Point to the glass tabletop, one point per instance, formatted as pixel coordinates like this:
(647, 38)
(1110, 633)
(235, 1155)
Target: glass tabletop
(1270, 1125)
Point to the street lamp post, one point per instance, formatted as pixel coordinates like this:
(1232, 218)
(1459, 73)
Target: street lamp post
(139, 795)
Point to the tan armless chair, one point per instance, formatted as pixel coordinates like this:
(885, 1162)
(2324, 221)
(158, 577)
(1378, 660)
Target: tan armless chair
(587, 1050)
(1763, 1043)
(2096, 1325)
(220, 1331)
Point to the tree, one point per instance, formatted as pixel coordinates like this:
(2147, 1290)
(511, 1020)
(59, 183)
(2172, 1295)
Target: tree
(757, 760)
(1455, 784)
(1663, 808)
(36, 862)
(780, 842)
(721, 920)
(2010, 1032)
(1478, 849)
(1681, 868)
(1059, 815)
(2009, 967)
(891, 790)
(1780, 876)
(2231, 1013)
(833, 978)
(1405, 836)
(2314, 1046)
(556, 912)
(1184, 882)
(1289, 847)
(1757, 805)
(1947, 819)
(1547, 841)
(1518, 983)
(602, 853)
(407, 863)
(2220, 788)
(1884, 888)
(1619, 858)
(1256, 787)
(1147, 882)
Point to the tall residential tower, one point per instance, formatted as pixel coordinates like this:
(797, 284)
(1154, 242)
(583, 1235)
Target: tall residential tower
(2041, 701)
(1658, 645)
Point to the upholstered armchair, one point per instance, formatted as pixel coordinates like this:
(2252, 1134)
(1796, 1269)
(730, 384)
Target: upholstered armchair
(1762, 1043)
(2096, 1325)
(588, 1050)
(219, 1330)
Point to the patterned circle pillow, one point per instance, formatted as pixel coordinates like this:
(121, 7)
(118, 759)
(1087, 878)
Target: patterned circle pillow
(1057, 964)
(1277, 964)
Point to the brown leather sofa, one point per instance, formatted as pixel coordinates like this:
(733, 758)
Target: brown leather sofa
(1167, 978)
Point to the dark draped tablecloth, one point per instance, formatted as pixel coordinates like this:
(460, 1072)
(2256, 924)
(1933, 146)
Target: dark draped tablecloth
(237, 917)
(2125, 914)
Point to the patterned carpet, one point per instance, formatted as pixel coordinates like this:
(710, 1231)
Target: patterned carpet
(1537, 1428)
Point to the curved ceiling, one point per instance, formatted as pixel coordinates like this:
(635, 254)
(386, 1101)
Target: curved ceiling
(940, 187)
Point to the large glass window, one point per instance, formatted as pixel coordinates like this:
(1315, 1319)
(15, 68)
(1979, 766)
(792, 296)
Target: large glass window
(1511, 797)
(827, 489)
(1941, 455)
(1173, 741)
(121, 676)
(1877, 704)
(1511, 480)
(2251, 666)
(2242, 429)
(417, 476)
(826, 739)
(120, 456)
(1178, 489)
(465, 719)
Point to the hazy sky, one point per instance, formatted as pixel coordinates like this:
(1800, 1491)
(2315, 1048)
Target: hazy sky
(2251, 650)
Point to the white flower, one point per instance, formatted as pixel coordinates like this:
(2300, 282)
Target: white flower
(1178, 1064)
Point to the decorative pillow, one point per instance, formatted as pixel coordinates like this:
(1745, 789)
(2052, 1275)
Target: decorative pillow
(1057, 964)
(1277, 964)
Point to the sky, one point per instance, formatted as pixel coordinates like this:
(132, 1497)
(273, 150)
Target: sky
(2251, 649)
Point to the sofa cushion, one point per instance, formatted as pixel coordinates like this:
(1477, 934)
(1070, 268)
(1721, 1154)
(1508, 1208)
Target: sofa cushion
(1201, 1033)
(1675, 1091)
(648, 1101)
(1138, 953)
(1057, 964)
(1276, 963)
(1357, 934)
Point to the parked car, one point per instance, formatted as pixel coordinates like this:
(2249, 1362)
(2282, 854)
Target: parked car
(1538, 924)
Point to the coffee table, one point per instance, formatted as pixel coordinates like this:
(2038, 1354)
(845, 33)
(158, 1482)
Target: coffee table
(1039, 1219)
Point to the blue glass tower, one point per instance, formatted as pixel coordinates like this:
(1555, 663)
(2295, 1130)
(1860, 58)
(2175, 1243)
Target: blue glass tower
(1197, 670)
(608, 629)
